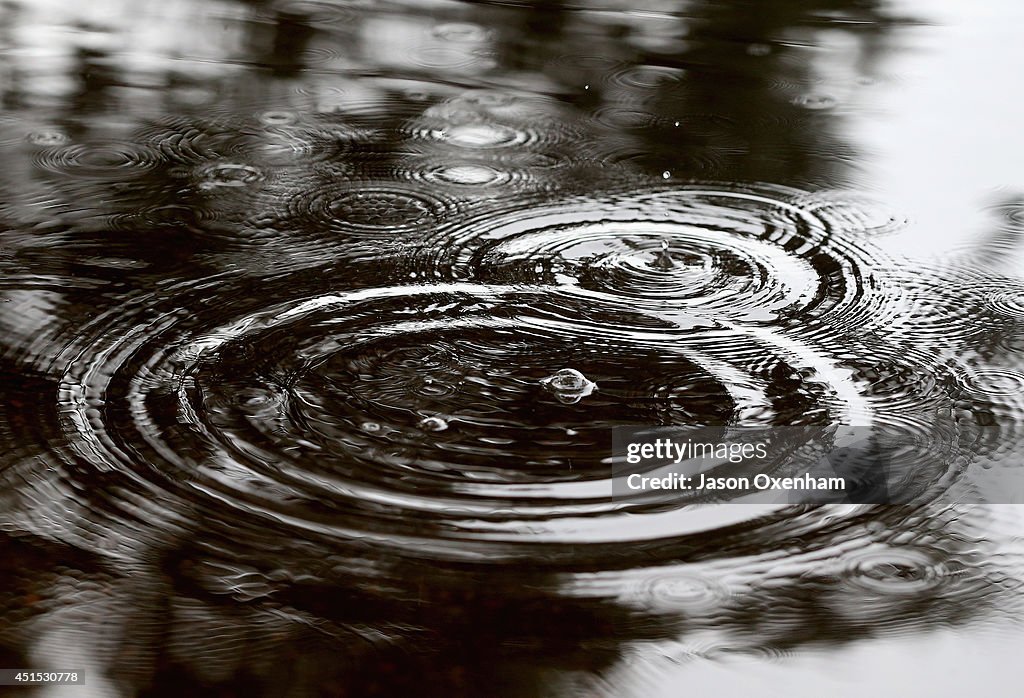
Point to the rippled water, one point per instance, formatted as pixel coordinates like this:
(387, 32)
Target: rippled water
(317, 316)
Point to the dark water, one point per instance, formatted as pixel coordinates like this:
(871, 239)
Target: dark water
(289, 291)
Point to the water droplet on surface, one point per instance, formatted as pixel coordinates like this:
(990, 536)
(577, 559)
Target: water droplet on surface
(569, 385)
(433, 424)
(228, 174)
(815, 101)
(663, 260)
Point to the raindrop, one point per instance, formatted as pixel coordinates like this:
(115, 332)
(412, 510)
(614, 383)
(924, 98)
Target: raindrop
(569, 385)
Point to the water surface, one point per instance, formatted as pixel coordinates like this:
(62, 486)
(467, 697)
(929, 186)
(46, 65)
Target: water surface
(317, 316)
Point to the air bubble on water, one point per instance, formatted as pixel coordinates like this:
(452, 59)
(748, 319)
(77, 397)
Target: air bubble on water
(371, 427)
(666, 174)
(571, 432)
(569, 385)
(433, 424)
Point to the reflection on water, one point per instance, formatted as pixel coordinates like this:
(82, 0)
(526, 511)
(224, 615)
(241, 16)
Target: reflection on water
(316, 317)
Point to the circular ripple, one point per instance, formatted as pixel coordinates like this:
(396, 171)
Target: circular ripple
(680, 591)
(473, 176)
(894, 572)
(376, 209)
(425, 418)
(850, 213)
(228, 174)
(481, 135)
(273, 138)
(755, 255)
(415, 417)
(1010, 211)
(98, 159)
(495, 121)
(628, 117)
(469, 174)
(320, 12)
(277, 117)
(807, 307)
(461, 32)
(646, 77)
(372, 208)
(993, 382)
(1008, 303)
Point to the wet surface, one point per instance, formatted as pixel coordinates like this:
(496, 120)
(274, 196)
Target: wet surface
(316, 318)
